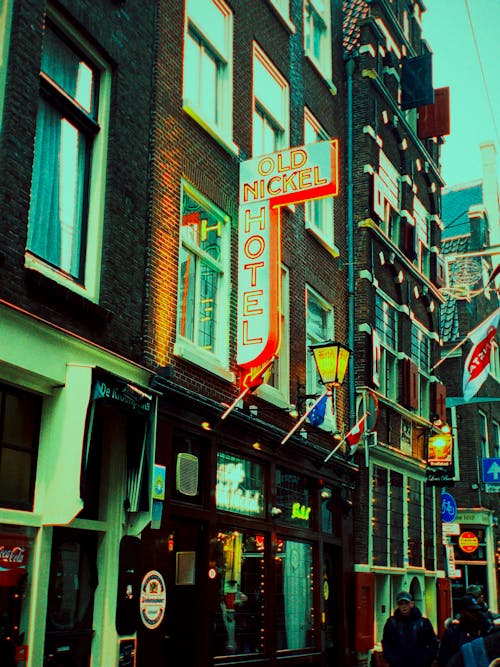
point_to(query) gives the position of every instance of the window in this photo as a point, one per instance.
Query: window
(5, 21)
(483, 434)
(202, 310)
(19, 429)
(317, 35)
(208, 89)
(319, 328)
(319, 214)
(415, 522)
(293, 498)
(496, 439)
(386, 325)
(270, 106)
(283, 8)
(240, 485)
(67, 187)
(423, 235)
(495, 361)
(387, 197)
(421, 355)
(277, 383)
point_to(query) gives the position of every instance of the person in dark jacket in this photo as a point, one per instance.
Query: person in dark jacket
(409, 639)
(472, 622)
(491, 646)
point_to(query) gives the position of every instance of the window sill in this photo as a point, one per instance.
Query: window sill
(285, 19)
(326, 77)
(188, 352)
(318, 235)
(223, 141)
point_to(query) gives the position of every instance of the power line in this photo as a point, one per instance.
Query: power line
(490, 105)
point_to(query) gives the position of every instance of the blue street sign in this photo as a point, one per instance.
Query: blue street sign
(448, 508)
(491, 471)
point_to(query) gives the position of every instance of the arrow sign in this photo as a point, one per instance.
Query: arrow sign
(491, 471)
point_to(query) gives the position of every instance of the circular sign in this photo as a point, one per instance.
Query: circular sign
(468, 542)
(153, 599)
(448, 508)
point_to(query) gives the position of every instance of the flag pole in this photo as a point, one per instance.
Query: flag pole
(304, 416)
(245, 391)
(367, 414)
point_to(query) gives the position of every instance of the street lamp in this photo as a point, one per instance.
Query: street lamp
(331, 360)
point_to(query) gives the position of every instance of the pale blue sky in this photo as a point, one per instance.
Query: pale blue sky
(455, 63)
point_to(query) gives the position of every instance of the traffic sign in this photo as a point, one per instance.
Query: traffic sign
(491, 471)
(448, 508)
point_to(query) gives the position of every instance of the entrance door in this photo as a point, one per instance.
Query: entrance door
(332, 599)
(181, 556)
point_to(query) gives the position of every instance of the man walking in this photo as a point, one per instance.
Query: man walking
(409, 639)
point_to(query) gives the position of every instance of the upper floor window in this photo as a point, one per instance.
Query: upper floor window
(208, 88)
(319, 214)
(483, 434)
(495, 361)
(203, 292)
(387, 197)
(422, 234)
(386, 326)
(283, 7)
(19, 430)
(496, 439)
(421, 355)
(271, 103)
(318, 35)
(5, 21)
(65, 216)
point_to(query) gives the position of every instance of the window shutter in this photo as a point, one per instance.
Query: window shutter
(408, 239)
(364, 583)
(434, 119)
(439, 400)
(437, 270)
(443, 591)
(410, 384)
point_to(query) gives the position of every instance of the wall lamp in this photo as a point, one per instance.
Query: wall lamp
(332, 360)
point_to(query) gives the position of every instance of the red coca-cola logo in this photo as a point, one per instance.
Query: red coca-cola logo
(12, 556)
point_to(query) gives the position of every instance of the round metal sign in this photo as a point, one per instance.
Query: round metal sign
(468, 542)
(448, 508)
(153, 599)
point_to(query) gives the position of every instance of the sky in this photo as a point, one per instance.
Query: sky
(447, 29)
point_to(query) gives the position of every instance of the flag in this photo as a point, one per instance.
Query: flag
(317, 415)
(354, 435)
(478, 360)
(493, 275)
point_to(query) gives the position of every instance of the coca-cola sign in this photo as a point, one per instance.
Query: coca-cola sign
(12, 555)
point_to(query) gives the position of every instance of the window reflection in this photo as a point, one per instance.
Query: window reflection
(239, 618)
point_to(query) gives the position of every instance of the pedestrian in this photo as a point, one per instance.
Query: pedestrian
(408, 639)
(477, 591)
(471, 654)
(472, 622)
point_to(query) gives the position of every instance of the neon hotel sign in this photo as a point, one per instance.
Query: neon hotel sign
(267, 183)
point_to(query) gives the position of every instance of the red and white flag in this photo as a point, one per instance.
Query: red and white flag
(478, 360)
(355, 434)
(493, 275)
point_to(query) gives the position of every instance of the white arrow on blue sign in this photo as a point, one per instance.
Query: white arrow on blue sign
(491, 471)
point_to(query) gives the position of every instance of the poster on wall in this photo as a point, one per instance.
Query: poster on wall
(153, 599)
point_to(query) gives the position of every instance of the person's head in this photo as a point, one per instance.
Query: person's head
(405, 603)
(475, 591)
(471, 613)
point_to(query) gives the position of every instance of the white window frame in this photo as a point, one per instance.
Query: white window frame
(279, 392)
(495, 427)
(270, 106)
(387, 197)
(282, 8)
(217, 361)
(422, 232)
(494, 369)
(483, 434)
(5, 23)
(317, 26)
(388, 353)
(217, 45)
(319, 214)
(424, 380)
(96, 176)
(313, 383)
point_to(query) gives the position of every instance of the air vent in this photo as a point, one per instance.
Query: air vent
(186, 474)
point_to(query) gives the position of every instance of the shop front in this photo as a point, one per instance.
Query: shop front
(253, 547)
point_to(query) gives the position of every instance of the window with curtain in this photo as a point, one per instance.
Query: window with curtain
(319, 214)
(270, 122)
(294, 604)
(202, 310)
(207, 81)
(318, 35)
(66, 128)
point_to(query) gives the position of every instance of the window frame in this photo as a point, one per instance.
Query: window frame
(95, 176)
(484, 434)
(320, 10)
(5, 28)
(388, 351)
(221, 130)
(280, 127)
(216, 362)
(419, 336)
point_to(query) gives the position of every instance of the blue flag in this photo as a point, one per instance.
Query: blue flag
(317, 415)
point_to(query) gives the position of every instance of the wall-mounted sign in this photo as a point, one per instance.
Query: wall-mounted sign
(440, 449)
(240, 485)
(491, 471)
(448, 508)
(159, 478)
(300, 511)
(439, 475)
(266, 184)
(153, 599)
(468, 542)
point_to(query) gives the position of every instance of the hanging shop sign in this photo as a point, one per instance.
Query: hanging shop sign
(468, 542)
(153, 599)
(268, 183)
(440, 449)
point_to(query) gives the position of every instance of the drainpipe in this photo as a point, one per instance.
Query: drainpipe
(350, 65)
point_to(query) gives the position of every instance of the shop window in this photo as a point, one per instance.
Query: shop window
(329, 510)
(70, 606)
(270, 123)
(317, 35)
(240, 485)
(239, 614)
(19, 431)
(414, 504)
(380, 528)
(202, 311)
(294, 604)
(429, 528)
(208, 67)
(65, 214)
(396, 505)
(293, 499)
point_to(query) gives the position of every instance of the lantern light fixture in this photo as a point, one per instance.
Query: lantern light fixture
(332, 360)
